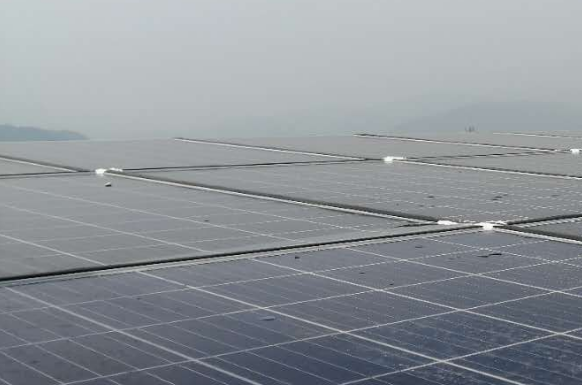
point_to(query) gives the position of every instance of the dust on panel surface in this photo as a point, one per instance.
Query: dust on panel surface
(438, 192)
(57, 223)
(290, 319)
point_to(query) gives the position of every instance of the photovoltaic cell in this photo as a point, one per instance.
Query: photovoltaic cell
(452, 335)
(390, 275)
(557, 312)
(326, 360)
(548, 251)
(557, 276)
(361, 310)
(553, 360)
(436, 374)
(480, 261)
(468, 292)
(440, 193)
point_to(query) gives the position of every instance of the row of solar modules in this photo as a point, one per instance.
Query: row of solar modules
(448, 308)
(55, 223)
(538, 154)
(430, 193)
(401, 188)
(73, 222)
(70, 222)
(470, 308)
(144, 154)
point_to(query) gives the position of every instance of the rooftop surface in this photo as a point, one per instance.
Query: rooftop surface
(292, 261)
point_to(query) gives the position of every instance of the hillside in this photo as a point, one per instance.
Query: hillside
(16, 133)
(506, 117)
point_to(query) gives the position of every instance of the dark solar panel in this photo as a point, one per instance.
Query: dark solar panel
(293, 319)
(554, 360)
(60, 223)
(322, 278)
(408, 189)
(527, 141)
(91, 155)
(375, 148)
(553, 164)
(12, 167)
(567, 228)
(436, 374)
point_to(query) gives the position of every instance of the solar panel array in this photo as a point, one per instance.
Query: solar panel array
(287, 261)
(531, 141)
(403, 188)
(143, 154)
(375, 148)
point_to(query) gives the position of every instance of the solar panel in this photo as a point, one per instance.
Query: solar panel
(570, 228)
(12, 167)
(403, 188)
(524, 141)
(61, 223)
(138, 154)
(552, 134)
(549, 360)
(561, 164)
(210, 263)
(290, 317)
(375, 148)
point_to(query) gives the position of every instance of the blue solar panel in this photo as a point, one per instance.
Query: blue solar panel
(296, 317)
(257, 270)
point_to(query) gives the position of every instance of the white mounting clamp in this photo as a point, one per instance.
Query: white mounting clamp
(390, 159)
(488, 226)
(102, 171)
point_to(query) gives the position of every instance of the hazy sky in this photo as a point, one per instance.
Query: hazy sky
(143, 68)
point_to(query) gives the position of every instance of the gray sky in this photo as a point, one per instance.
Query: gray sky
(144, 68)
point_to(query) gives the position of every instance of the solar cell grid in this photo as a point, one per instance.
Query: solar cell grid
(553, 360)
(12, 167)
(564, 164)
(412, 189)
(375, 148)
(70, 223)
(139, 154)
(268, 320)
(501, 139)
(434, 375)
(571, 228)
(458, 307)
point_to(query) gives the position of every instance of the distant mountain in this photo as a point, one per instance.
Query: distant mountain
(506, 117)
(15, 133)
